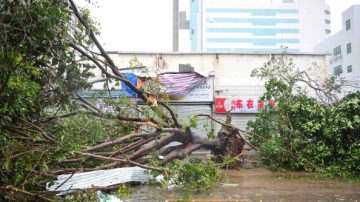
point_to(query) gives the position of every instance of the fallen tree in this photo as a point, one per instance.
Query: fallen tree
(318, 133)
(169, 131)
(48, 50)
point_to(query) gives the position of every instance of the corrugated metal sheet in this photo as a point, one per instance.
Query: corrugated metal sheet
(102, 178)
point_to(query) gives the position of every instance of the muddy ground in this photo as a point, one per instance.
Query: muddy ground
(260, 184)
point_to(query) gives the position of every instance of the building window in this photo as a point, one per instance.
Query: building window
(337, 50)
(337, 70)
(348, 48)
(327, 21)
(349, 68)
(348, 26)
(327, 12)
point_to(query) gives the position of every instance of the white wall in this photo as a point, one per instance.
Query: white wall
(229, 69)
(232, 71)
(343, 38)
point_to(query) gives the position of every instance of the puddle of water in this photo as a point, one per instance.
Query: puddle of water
(260, 184)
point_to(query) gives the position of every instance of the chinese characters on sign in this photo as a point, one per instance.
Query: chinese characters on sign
(241, 105)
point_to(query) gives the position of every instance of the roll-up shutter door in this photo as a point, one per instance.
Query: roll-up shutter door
(238, 120)
(186, 111)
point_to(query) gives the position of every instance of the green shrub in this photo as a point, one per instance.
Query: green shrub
(302, 133)
(194, 177)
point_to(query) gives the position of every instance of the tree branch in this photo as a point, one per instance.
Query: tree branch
(132, 146)
(122, 161)
(181, 153)
(13, 190)
(215, 120)
(119, 141)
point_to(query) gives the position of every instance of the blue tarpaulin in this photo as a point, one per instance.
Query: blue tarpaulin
(133, 79)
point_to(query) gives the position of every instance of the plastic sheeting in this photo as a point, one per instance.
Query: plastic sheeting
(133, 79)
(179, 84)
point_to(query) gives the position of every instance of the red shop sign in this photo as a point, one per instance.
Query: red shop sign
(241, 105)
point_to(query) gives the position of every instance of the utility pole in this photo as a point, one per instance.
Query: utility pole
(175, 25)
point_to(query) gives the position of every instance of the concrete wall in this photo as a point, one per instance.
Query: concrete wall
(232, 71)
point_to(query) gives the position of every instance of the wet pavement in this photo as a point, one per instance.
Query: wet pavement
(259, 184)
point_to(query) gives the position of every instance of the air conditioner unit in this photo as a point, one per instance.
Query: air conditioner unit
(186, 68)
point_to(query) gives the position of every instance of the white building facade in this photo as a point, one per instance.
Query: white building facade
(344, 46)
(253, 25)
(230, 74)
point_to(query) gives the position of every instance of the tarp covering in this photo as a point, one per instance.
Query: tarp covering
(179, 84)
(133, 79)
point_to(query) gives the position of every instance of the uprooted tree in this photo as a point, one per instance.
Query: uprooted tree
(49, 50)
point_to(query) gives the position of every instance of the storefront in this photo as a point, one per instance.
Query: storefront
(198, 101)
(243, 102)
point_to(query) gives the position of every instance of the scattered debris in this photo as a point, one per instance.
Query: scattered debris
(170, 183)
(107, 197)
(101, 178)
(229, 185)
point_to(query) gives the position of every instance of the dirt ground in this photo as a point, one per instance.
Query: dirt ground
(260, 184)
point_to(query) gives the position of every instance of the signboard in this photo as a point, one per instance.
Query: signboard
(202, 93)
(241, 105)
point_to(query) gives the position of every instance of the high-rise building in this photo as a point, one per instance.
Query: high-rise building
(344, 46)
(252, 25)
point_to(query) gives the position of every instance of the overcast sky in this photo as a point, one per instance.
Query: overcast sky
(336, 8)
(135, 25)
(146, 25)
